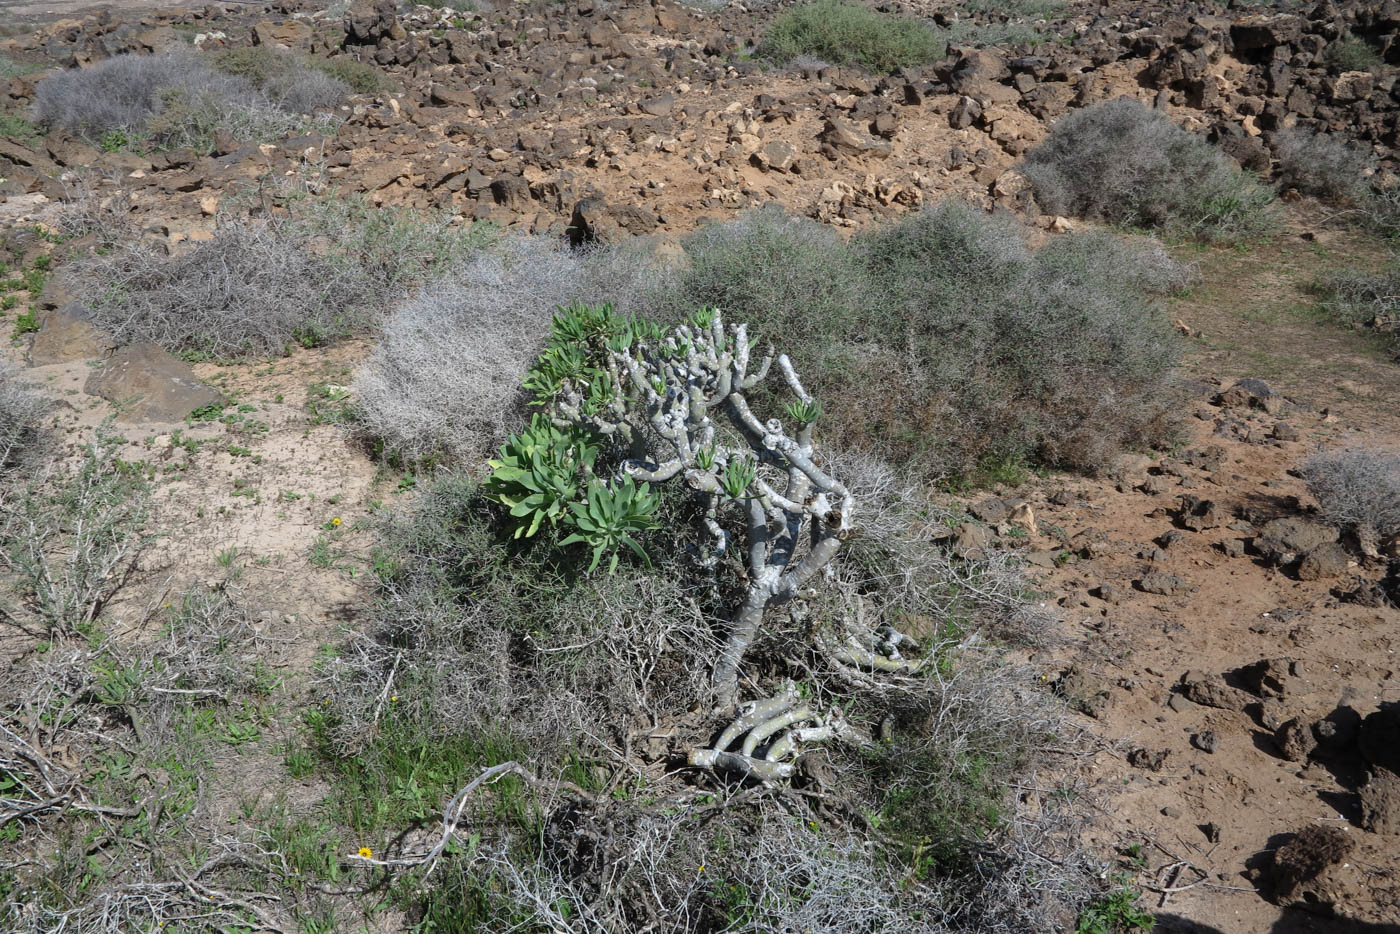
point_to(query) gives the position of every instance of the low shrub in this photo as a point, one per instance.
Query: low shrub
(1319, 165)
(72, 539)
(21, 408)
(176, 100)
(1128, 164)
(1322, 166)
(360, 77)
(444, 380)
(1351, 53)
(1357, 488)
(1363, 300)
(260, 285)
(499, 650)
(846, 33)
(778, 273)
(943, 341)
(289, 81)
(170, 705)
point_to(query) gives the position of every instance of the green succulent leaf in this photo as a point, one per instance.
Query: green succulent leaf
(738, 475)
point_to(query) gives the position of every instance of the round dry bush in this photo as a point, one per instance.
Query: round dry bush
(515, 642)
(1357, 488)
(177, 100)
(791, 280)
(289, 81)
(1320, 165)
(253, 289)
(259, 286)
(944, 342)
(1130, 165)
(21, 408)
(1056, 355)
(851, 34)
(445, 379)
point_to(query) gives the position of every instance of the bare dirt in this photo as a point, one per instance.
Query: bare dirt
(1200, 828)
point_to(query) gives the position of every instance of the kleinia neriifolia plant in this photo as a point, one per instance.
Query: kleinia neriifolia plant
(674, 407)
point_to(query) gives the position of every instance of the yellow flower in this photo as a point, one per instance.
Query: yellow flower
(336, 521)
(394, 699)
(365, 852)
(702, 868)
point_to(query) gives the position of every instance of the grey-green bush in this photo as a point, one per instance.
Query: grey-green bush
(21, 407)
(1357, 488)
(1128, 164)
(846, 33)
(1361, 299)
(1320, 165)
(444, 381)
(289, 81)
(176, 100)
(943, 340)
(326, 271)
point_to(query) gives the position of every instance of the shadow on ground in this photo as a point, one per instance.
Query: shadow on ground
(1292, 922)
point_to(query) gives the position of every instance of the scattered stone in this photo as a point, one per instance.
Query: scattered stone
(1082, 691)
(1198, 514)
(67, 335)
(1213, 692)
(1167, 585)
(991, 510)
(1380, 594)
(1206, 741)
(1254, 394)
(1154, 485)
(1380, 802)
(777, 155)
(1302, 866)
(972, 539)
(1295, 740)
(659, 106)
(147, 384)
(1233, 547)
(1269, 677)
(1152, 761)
(1379, 737)
(839, 138)
(1285, 432)
(1108, 594)
(1337, 732)
(1284, 541)
(1324, 563)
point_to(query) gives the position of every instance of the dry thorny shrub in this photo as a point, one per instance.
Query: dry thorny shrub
(177, 100)
(1357, 489)
(319, 269)
(594, 686)
(1129, 164)
(444, 378)
(942, 340)
(106, 802)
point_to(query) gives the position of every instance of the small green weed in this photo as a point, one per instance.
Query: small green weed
(845, 33)
(1115, 913)
(1351, 53)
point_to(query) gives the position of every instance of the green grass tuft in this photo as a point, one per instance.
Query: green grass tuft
(845, 33)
